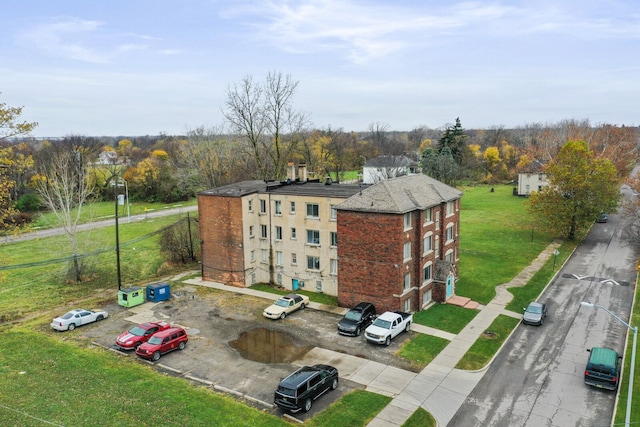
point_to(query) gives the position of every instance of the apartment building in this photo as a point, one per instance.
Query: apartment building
(379, 243)
(399, 244)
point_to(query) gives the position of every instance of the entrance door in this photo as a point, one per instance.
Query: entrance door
(449, 287)
(294, 284)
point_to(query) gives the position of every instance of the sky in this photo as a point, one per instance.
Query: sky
(146, 67)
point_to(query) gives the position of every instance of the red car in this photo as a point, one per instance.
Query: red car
(163, 342)
(137, 335)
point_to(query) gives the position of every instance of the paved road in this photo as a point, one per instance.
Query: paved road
(39, 234)
(537, 379)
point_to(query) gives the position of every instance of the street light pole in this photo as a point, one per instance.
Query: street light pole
(627, 418)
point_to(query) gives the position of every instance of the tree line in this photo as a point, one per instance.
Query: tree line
(261, 134)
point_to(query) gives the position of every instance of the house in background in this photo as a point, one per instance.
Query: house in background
(532, 178)
(386, 167)
(382, 243)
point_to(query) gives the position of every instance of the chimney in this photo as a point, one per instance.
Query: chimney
(291, 171)
(302, 172)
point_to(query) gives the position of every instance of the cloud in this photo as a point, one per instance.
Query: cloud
(81, 40)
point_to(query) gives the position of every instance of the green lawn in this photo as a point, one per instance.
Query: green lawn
(41, 282)
(106, 210)
(449, 318)
(488, 343)
(497, 240)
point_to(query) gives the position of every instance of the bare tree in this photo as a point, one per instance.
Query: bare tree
(64, 186)
(264, 116)
(210, 155)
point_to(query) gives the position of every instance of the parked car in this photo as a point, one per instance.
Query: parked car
(603, 368)
(357, 319)
(388, 326)
(78, 317)
(139, 334)
(603, 217)
(301, 388)
(162, 342)
(535, 313)
(286, 305)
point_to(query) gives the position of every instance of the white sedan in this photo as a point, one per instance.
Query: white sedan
(77, 317)
(286, 305)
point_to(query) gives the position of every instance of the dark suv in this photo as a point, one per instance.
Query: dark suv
(357, 319)
(603, 368)
(300, 389)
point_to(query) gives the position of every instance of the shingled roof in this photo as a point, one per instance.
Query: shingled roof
(401, 195)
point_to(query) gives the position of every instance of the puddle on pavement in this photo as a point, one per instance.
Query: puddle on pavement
(267, 346)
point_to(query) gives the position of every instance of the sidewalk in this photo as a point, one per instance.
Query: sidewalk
(439, 388)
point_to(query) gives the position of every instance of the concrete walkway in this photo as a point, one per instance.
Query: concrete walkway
(439, 388)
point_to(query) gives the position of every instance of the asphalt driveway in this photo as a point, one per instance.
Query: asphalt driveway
(234, 349)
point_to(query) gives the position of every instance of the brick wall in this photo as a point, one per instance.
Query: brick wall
(371, 264)
(370, 257)
(222, 239)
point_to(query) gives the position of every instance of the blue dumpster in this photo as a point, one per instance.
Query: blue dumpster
(130, 297)
(158, 292)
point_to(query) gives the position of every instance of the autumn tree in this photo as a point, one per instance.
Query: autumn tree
(581, 187)
(263, 115)
(63, 185)
(10, 126)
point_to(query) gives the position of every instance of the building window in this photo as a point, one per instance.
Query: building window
(250, 205)
(427, 243)
(278, 207)
(253, 278)
(334, 239)
(292, 207)
(265, 255)
(253, 256)
(278, 232)
(450, 207)
(407, 305)
(263, 206)
(334, 213)
(279, 279)
(278, 258)
(426, 297)
(263, 231)
(407, 251)
(437, 248)
(293, 234)
(437, 220)
(313, 263)
(251, 231)
(294, 259)
(407, 220)
(426, 273)
(449, 256)
(428, 215)
(449, 233)
(333, 268)
(407, 281)
(313, 237)
(313, 210)
(319, 285)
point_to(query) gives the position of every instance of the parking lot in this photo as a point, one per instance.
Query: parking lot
(233, 348)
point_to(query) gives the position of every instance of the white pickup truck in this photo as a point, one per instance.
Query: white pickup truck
(387, 326)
